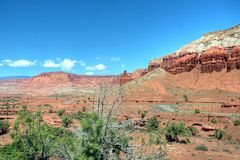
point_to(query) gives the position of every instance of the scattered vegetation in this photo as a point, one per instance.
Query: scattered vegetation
(218, 134)
(66, 120)
(214, 120)
(84, 109)
(4, 127)
(173, 130)
(143, 114)
(194, 131)
(201, 147)
(236, 122)
(60, 112)
(152, 124)
(185, 98)
(35, 140)
(196, 111)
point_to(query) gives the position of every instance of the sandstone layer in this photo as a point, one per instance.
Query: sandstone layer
(213, 52)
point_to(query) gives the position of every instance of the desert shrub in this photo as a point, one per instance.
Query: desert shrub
(185, 98)
(201, 147)
(60, 112)
(47, 105)
(152, 124)
(50, 110)
(218, 134)
(194, 131)
(79, 115)
(214, 120)
(236, 122)
(4, 127)
(155, 138)
(143, 114)
(173, 130)
(98, 141)
(196, 111)
(34, 140)
(66, 120)
(84, 109)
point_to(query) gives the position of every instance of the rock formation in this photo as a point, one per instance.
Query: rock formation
(126, 77)
(213, 52)
(56, 82)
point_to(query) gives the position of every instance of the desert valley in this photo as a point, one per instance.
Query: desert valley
(197, 86)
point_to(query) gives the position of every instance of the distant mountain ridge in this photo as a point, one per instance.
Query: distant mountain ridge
(13, 77)
(56, 82)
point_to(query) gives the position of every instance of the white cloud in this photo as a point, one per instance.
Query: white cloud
(50, 64)
(90, 68)
(19, 63)
(112, 59)
(66, 64)
(115, 59)
(1, 64)
(98, 67)
(89, 73)
(122, 65)
(82, 63)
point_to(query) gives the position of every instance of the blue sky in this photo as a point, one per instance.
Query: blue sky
(102, 36)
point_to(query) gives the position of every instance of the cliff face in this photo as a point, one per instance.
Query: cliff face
(213, 59)
(126, 77)
(213, 52)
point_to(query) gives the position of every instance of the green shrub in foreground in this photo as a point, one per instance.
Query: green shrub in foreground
(201, 147)
(66, 120)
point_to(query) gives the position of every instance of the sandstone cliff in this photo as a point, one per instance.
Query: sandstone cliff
(213, 52)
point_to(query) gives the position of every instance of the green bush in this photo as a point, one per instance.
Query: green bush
(33, 139)
(196, 111)
(236, 122)
(143, 114)
(152, 124)
(201, 147)
(214, 120)
(66, 120)
(218, 134)
(50, 110)
(185, 98)
(4, 127)
(194, 131)
(60, 112)
(84, 109)
(173, 130)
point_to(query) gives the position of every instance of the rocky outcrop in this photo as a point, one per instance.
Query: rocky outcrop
(213, 59)
(233, 61)
(213, 52)
(126, 77)
(179, 63)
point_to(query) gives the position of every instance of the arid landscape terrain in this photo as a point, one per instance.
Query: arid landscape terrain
(198, 85)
